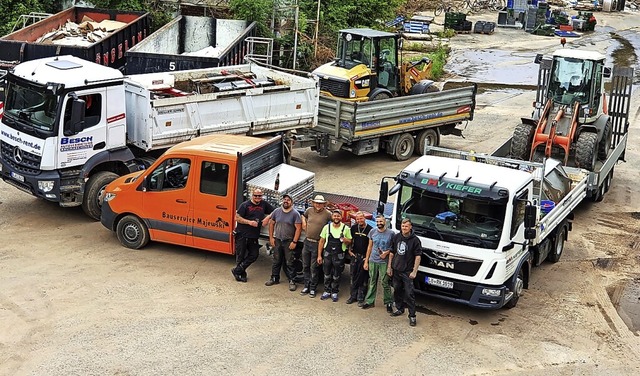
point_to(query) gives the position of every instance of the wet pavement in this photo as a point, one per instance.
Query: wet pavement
(629, 305)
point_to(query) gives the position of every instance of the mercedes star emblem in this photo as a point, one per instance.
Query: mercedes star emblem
(17, 154)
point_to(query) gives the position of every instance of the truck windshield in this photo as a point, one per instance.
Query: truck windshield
(354, 50)
(466, 220)
(570, 80)
(30, 108)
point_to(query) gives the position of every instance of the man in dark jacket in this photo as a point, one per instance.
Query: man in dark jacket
(358, 251)
(404, 260)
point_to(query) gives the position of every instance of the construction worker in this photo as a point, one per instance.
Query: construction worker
(334, 241)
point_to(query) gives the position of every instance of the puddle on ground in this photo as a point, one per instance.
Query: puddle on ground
(627, 303)
(494, 66)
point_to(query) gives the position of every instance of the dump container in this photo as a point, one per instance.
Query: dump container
(191, 42)
(129, 28)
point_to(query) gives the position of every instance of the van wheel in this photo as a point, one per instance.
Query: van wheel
(132, 232)
(93, 191)
(403, 146)
(518, 288)
(428, 137)
(558, 245)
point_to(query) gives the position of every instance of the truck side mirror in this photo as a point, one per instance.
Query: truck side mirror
(530, 213)
(538, 58)
(76, 124)
(382, 199)
(607, 72)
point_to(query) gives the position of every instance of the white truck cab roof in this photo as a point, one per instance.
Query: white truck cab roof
(477, 173)
(68, 70)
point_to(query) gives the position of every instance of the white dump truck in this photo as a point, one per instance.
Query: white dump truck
(71, 126)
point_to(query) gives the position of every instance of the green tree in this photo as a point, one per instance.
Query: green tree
(10, 11)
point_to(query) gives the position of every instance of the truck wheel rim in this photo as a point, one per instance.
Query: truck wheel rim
(131, 232)
(519, 286)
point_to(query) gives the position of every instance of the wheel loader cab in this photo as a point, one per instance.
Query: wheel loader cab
(577, 79)
(366, 66)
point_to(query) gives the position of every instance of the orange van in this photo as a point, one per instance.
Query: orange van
(190, 194)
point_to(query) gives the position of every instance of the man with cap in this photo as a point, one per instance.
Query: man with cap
(285, 227)
(313, 220)
(334, 241)
(250, 215)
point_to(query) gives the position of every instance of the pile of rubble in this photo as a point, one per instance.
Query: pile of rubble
(86, 33)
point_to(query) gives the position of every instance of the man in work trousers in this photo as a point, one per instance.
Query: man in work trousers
(358, 251)
(284, 231)
(250, 216)
(404, 260)
(313, 220)
(332, 247)
(376, 264)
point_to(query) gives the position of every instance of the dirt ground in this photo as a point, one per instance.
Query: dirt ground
(75, 302)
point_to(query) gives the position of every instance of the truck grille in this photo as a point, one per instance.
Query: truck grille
(337, 88)
(29, 164)
(448, 263)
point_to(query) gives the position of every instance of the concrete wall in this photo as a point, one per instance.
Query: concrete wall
(165, 40)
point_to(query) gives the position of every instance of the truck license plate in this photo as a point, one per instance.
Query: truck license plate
(438, 282)
(18, 177)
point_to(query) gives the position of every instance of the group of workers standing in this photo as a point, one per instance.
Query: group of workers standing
(376, 254)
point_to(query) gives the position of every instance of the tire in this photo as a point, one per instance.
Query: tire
(403, 146)
(521, 141)
(423, 87)
(428, 137)
(132, 232)
(517, 290)
(379, 97)
(558, 246)
(586, 150)
(91, 203)
(605, 143)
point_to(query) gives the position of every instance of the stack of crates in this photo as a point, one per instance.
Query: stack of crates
(457, 21)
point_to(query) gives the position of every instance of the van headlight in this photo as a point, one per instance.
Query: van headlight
(109, 196)
(46, 185)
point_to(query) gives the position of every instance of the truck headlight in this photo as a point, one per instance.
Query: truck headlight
(45, 185)
(491, 292)
(109, 196)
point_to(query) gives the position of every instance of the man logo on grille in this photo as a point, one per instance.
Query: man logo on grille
(17, 154)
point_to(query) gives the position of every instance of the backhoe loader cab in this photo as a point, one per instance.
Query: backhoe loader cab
(366, 67)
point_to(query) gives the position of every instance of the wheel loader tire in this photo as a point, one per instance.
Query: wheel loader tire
(428, 137)
(605, 143)
(91, 203)
(587, 150)
(521, 141)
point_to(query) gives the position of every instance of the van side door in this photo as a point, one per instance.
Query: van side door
(167, 201)
(213, 205)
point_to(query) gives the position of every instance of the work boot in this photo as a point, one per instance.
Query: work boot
(350, 300)
(292, 286)
(271, 282)
(412, 321)
(304, 291)
(312, 293)
(367, 305)
(397, 313)
(236, 276)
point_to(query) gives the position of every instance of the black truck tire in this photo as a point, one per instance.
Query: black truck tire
(91, 202)
(427, 137)
(379, 97)
(558, 245)
(403, 145)
(518, 288)
(132, 232)
(423, 87)
(587, 150)
(521, 141)
(605, 143)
